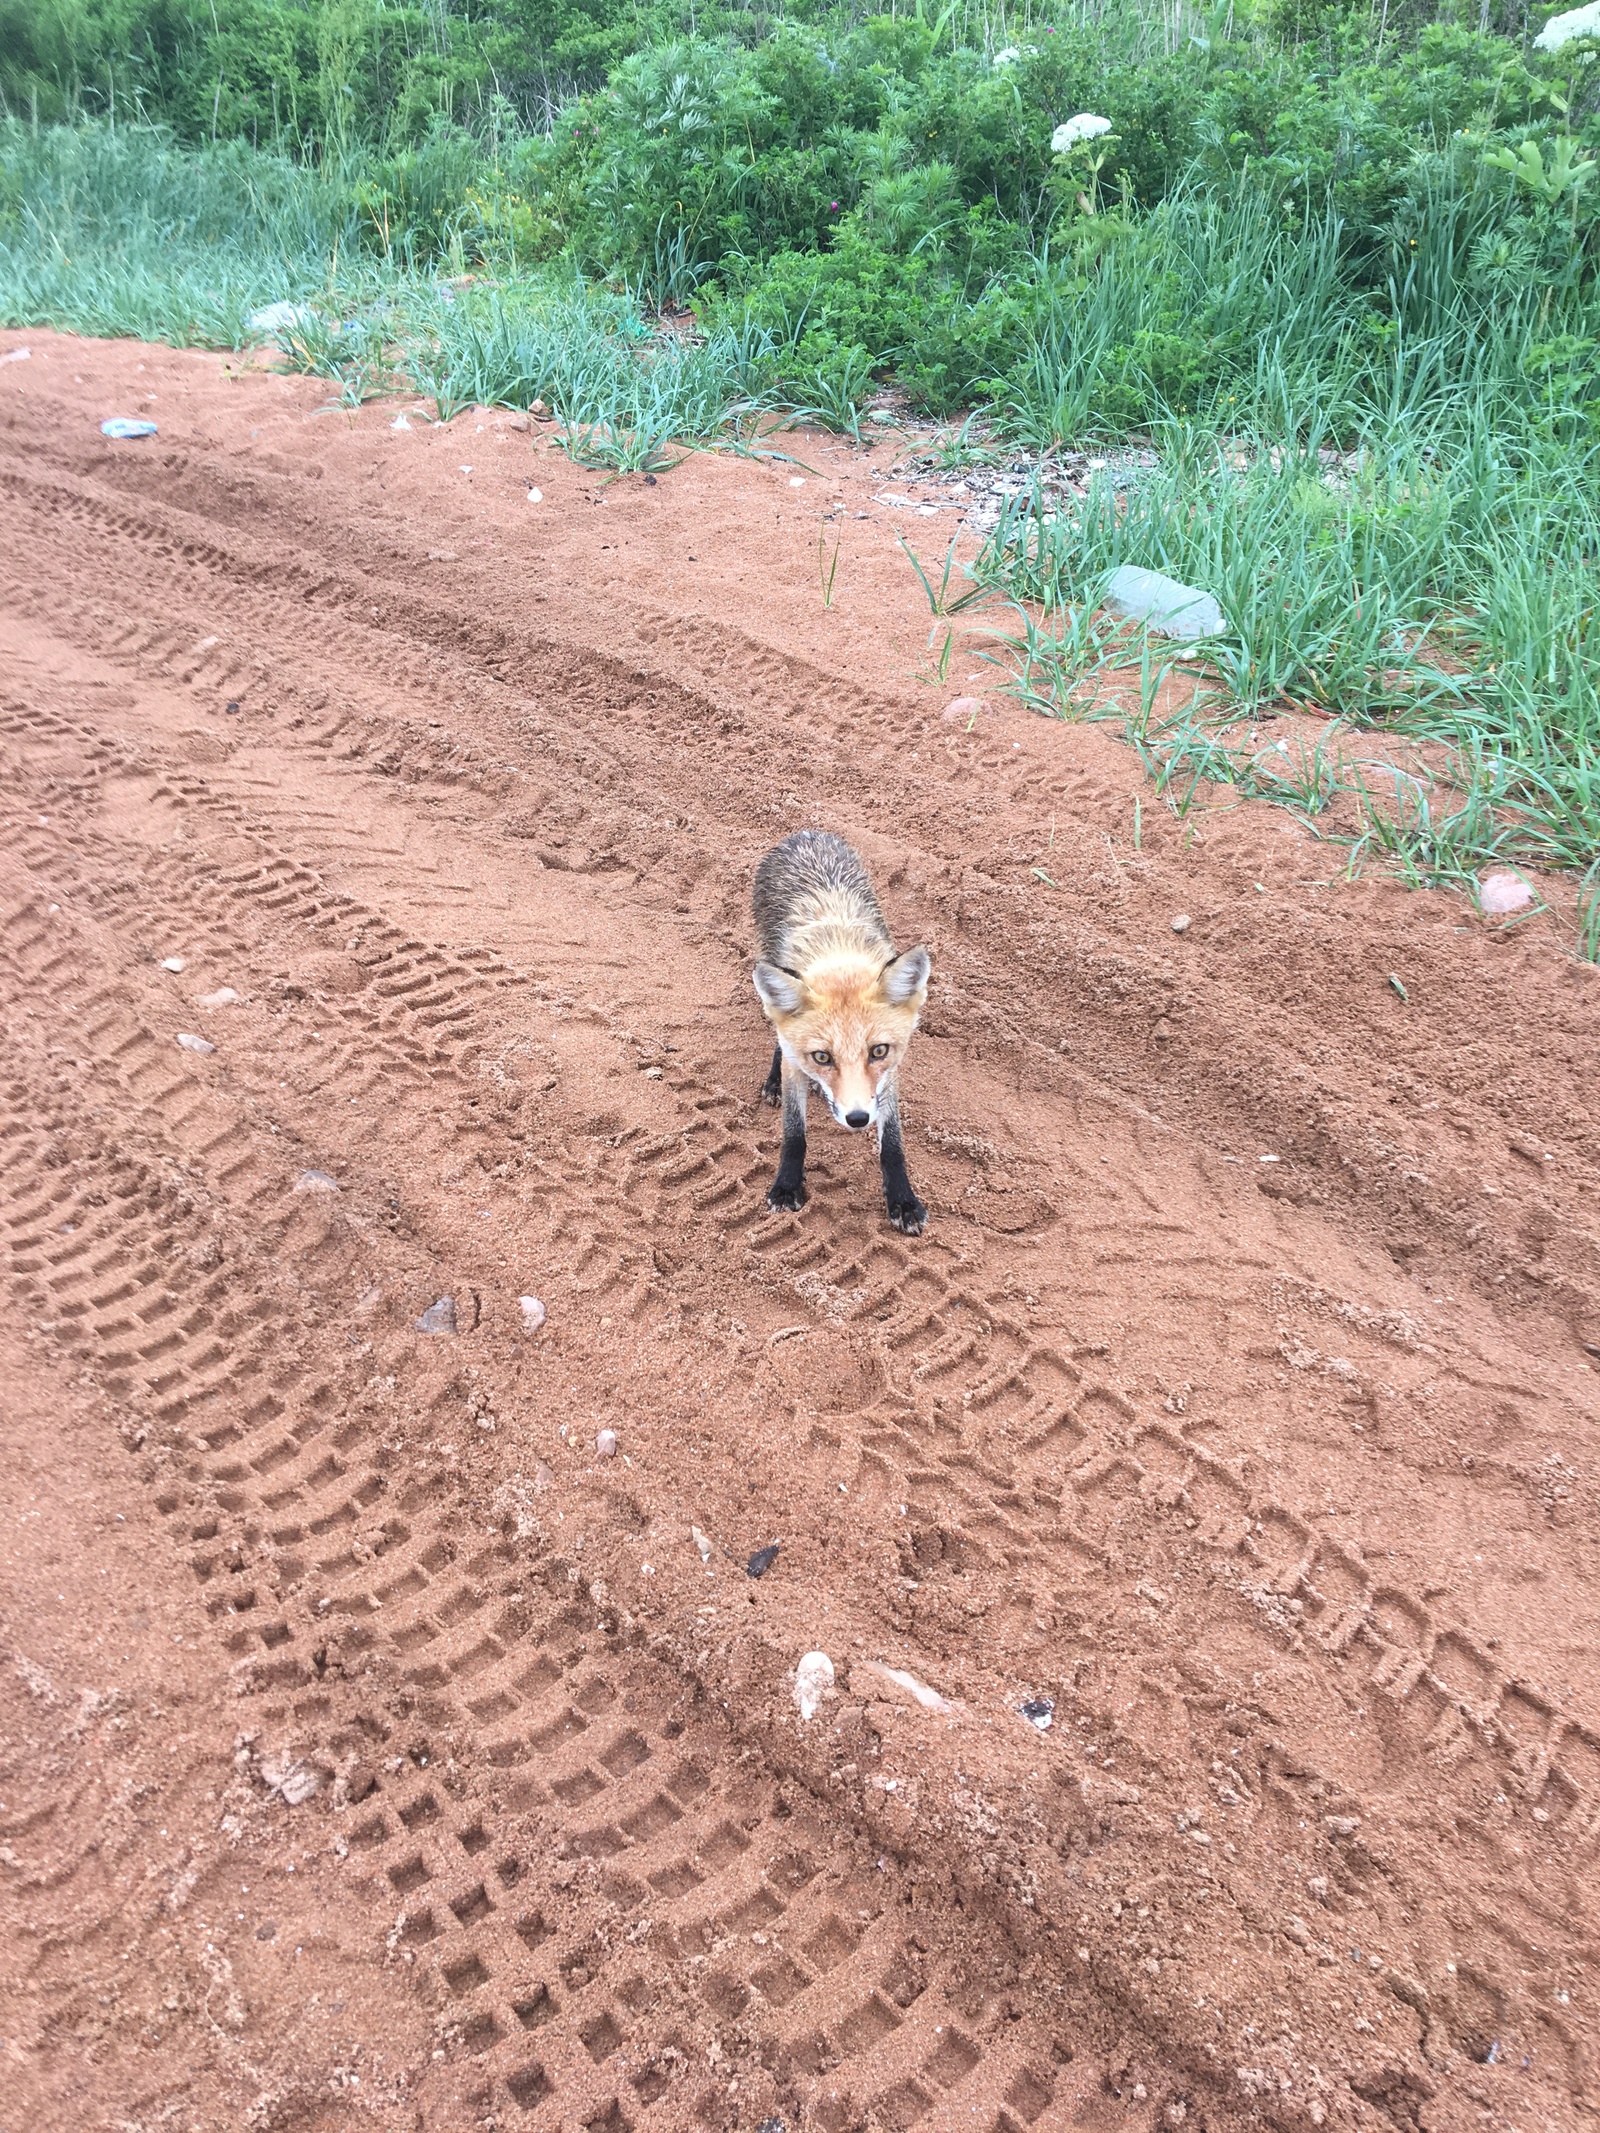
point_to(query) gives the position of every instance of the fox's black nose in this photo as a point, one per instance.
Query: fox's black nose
(855, 1120)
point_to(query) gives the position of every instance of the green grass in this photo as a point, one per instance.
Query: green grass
(118, 232)
(125, 234)
(1442, 588)
(1399, 517)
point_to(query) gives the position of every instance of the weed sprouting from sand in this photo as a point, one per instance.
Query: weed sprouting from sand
(828, 561)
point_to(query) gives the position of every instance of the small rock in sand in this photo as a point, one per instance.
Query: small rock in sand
(701, 1543)
(533, 1313)
(963, 709)
(291, 1781)
(174, 963)
(315, 1181)
(813, 1678)
(1181, 923)
(762, 1561)
(869, 1678)
(439, 1317)
(192, 1043)
(606, 1444)
(536, 496)
(1501, 894)
(1039, 1711)
(441, 555)
(224, 997)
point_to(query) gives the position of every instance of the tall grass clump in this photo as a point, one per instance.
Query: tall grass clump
(1387, 472)
(622, 393)
(123, 232)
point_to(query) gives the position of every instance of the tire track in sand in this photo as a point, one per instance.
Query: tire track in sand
(1015, 1453)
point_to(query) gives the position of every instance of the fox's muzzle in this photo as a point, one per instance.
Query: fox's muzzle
(860, 1114)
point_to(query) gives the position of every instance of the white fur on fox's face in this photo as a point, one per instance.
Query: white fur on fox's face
(855, 1107)
(845, 1025)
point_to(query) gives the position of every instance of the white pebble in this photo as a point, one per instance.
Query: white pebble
(174, 963)
(813, 1678)
(797, 481)
(533, 1313)
(536, 496)
(400, 422)
(315, 1181)
(606, 1444)
(194, 1044)
(701, 1543)
(1181, 923)
(224, 997)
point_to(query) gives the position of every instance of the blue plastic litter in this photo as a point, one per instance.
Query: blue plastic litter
(1170, 609)
(126, 426)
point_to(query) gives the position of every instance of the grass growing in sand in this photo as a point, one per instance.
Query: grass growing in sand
(1439, 582)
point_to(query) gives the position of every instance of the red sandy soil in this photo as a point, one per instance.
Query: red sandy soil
(373, 1753)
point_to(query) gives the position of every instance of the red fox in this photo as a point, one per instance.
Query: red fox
(843, 1005)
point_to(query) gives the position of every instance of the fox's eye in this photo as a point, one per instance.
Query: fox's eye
(822, 1058)
(879, 1051)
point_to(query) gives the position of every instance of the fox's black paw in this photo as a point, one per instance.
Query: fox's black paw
(772, 1093)
(786, 1199)
(908, 1215)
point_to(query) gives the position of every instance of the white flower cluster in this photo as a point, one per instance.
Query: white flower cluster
(1086, 127)
(1014, 52)
(1565, 29)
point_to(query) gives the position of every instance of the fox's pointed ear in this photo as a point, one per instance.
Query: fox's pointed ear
(904, 982)
(779, 991)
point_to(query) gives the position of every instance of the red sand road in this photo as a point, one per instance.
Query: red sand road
(377, 1754)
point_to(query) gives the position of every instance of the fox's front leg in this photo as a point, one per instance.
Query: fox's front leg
(788, 1190)
(906, 1211)
(772, 1087)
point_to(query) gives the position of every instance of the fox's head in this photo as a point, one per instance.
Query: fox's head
(846, 1023)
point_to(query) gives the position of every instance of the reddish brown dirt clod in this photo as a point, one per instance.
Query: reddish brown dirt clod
(374, 1754)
